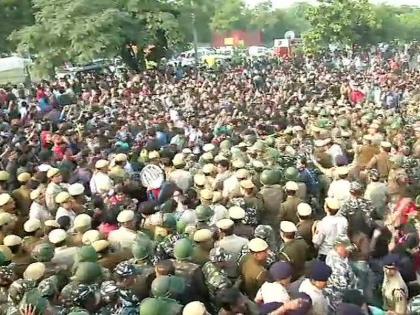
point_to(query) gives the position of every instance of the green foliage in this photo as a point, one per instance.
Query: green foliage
(230, 15)
(343, 22)
(13, 15)
(79, 30)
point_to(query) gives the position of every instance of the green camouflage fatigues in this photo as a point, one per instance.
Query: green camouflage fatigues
(359, 212)
(215, 278)
(165, 248)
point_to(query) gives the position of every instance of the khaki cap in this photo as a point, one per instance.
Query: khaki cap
(35, 194)
(202, 235)
(208, 156)
(219, 158)
(368, 137)
(209, 168)
(178, 160)
(153, 155)
(238, 163)
(34, 271)
(186, 151)
(288, 227)
(332, 203)
(208, 147)
(224, 224)
(91, 236)
(5, 218)
(57, 236)
(206, 194)
(100, 245)
(121, 157)
(62, 197)
(293, 186)
(12, 240)
(51, 223)
(247, 184)
(242, 174)
(304, 209)
(125, 216)
(194, 308)
(200, 179)
(101, 164)
(236, 213)
(4, 199)
(257, 245)
(386, 144)
(24, 177)
(4, 176)
(53, 172)
(76, 189)
(32, 225)
(82, 220)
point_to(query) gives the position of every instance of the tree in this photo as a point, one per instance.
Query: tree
(79, 30)
(344, 22)
(14, 14)
(230, 15)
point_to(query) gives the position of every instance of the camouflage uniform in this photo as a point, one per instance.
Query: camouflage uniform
(165, 248)
(16, 292)
(215, 277)
(342, 278)
(358, 212)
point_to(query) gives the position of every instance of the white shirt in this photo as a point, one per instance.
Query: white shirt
(272, 292)
(319, 302)
(100, 183)
(122, 238)
(340, 190)
(39, 212)
(328, 229)
(61, 212)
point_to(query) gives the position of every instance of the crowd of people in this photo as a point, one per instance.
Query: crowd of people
(286, 187)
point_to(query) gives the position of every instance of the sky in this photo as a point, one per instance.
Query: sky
(287, 3)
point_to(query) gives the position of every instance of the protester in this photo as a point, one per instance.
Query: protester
(260, 188)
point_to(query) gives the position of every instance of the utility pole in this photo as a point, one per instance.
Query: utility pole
(195, 38)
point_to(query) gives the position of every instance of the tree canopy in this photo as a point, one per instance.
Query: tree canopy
(79, 31)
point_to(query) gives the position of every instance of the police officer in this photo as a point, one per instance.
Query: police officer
(118, 173)
(231, 243)
(294, 249)
(305, 226)
(288, 209)
(237, 215)
(252, 267)
(82, 224)
(204, 215)
(22, 194)
(272, 196)
(191, 272)
(165, 248)
(124, 237)
(32, 227)
(203, 244)
(215, 275)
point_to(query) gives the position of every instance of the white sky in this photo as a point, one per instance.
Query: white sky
(287, 3)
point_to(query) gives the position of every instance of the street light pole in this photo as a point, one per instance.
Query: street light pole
(195, 38)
